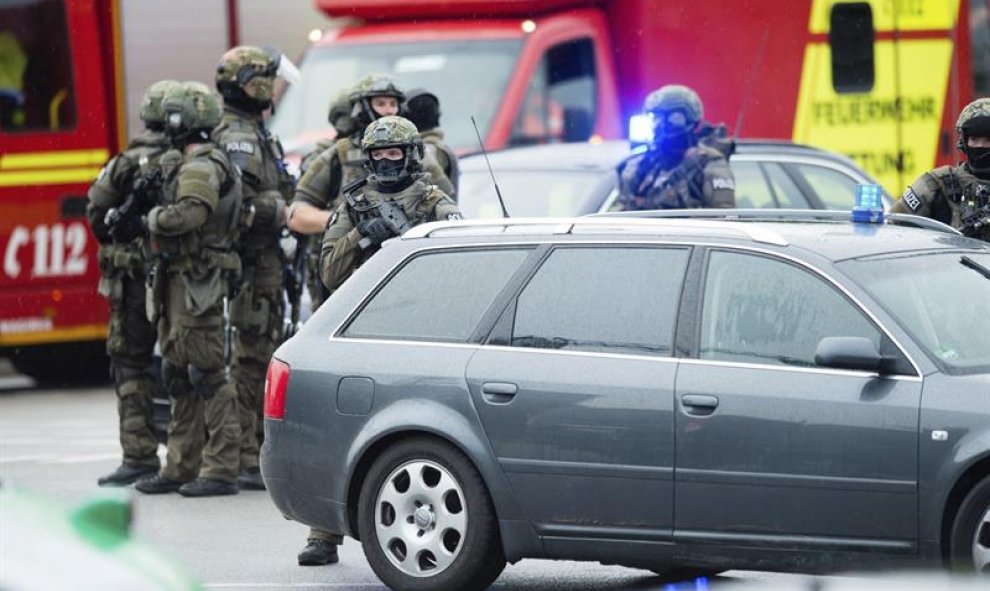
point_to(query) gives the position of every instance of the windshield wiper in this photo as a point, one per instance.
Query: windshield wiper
(968, 262)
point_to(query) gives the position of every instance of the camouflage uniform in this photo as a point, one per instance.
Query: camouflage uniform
(193, 235)
(122, 256)
(257, 310)
(957, 195)
(680, 169)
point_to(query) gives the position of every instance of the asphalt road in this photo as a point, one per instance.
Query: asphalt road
(57, 442)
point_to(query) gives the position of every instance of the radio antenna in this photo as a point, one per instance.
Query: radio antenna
(501, 202)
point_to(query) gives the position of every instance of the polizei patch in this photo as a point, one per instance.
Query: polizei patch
(911, 199)
(242, 147)
(720, 183)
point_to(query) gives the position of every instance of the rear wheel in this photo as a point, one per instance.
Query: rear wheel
(426, 520)
(970, 543)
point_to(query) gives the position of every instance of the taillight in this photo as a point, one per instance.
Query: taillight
(276, 382)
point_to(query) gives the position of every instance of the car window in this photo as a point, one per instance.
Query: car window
(835, 189)
(752, 190)
(763, 310)
(614, 299)
(437, 296)
(788, 195)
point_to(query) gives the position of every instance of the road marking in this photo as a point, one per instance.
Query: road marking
(31, 458)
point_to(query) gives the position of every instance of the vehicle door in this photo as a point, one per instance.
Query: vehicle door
(774, 450)
(575, 390)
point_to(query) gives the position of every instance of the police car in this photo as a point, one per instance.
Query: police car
(684, 392)
(578, 179)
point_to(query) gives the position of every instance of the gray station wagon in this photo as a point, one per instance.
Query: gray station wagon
(768, 390)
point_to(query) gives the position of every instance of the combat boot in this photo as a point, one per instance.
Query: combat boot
(318, 552)
(157, 485)
(205, 487)
(126, 474)
(250, 479)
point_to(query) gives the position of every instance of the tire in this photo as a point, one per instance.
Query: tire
(444, 531)
(970, 541)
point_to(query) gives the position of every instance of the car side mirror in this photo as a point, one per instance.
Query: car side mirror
(857, 353)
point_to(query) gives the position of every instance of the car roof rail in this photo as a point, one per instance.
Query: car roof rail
(783, 215)
(568, 225)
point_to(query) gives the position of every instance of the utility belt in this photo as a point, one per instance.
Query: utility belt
(209, 258)
(128, 258)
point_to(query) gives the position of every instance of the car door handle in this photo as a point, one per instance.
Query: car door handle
(498, 392)
(699, 404)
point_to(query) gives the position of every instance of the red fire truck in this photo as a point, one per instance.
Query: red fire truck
(60, 118)
(878, 80)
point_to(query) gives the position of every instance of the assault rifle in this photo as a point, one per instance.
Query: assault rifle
(124, 222)
(976, 216)
(390, 211)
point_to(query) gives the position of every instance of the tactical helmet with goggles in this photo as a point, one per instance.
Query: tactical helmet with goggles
(152, 113)
(368, 88)
(191, 112)
(974, 122)
(392, 132)
(246, 76)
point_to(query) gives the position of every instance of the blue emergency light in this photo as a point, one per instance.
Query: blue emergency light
(641, 129)
(869, 204)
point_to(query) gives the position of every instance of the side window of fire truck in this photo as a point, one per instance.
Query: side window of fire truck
(850, 39)
(35, 67)
(979, 40)
(560, 102)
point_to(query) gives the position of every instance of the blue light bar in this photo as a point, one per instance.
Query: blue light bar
(641, 129)
(869, 204)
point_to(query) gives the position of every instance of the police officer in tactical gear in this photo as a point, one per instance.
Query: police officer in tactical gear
(958, 195)
(320, 190)
(686, 165)
(193, 234)
(423, 109)
(245, 79)
(393, 152)
(118, 199)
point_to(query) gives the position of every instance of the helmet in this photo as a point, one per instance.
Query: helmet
(974, 121)
(422, 108)
(340, 114)
(674, 108)
(191, 108)
(392, 132)
(246, 75)
(151, 104)
(372, 85)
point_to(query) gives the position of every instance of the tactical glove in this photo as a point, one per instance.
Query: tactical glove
(375, 231)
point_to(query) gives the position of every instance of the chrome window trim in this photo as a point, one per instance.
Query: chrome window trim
(644, 242)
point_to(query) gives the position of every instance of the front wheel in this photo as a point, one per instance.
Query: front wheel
(426, 520)
(970, 542)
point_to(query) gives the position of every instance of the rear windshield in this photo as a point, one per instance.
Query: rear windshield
(467, 76)
(940, 299)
